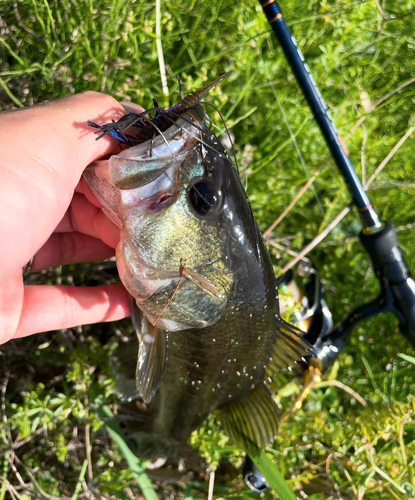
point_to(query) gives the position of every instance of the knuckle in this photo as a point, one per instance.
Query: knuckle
(102, 101)
(68, 247)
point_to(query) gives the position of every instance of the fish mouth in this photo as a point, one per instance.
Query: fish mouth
(143, 163)
(183, 305)
(140, 278)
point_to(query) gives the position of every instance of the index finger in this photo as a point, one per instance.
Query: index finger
(52, 307)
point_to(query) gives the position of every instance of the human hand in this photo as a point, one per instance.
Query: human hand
(48, 211)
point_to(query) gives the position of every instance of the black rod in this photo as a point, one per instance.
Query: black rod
(319, 108)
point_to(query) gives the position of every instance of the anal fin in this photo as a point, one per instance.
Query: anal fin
(252, 420)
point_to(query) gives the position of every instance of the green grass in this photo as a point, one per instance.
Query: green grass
(359, 53)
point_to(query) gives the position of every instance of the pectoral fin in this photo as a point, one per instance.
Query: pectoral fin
(252, 419)
(152, 356)
(139, 376)
(123, 363)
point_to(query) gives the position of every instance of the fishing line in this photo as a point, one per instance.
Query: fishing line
(160, 132)
(227, 131)
(210, 124)
(195, 136)
(297, 148)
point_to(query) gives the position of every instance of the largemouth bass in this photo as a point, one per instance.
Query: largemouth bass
(192, 257)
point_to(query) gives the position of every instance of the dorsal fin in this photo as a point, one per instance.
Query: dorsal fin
(289, 349)
(287, 354)
(252, 419)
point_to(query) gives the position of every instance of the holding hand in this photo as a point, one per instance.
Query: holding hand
(48, 211)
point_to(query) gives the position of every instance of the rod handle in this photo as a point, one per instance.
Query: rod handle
(390, 267)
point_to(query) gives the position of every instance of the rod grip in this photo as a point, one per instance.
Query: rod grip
(390, 266)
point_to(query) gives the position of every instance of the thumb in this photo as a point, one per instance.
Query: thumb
(44, 152)
(56, 134)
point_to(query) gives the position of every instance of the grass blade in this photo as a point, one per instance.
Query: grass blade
(134, 463)
(273, 476)
(79, 483)
(410, 359)
(275, 480)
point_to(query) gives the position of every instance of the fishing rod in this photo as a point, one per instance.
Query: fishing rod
(379, 239)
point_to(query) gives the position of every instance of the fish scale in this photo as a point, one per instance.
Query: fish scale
(217, 371)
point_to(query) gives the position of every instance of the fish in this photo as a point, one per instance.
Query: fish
(204, 295)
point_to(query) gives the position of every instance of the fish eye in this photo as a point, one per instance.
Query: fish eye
(203, 197)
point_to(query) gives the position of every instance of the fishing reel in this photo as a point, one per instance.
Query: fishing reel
(302, 297)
